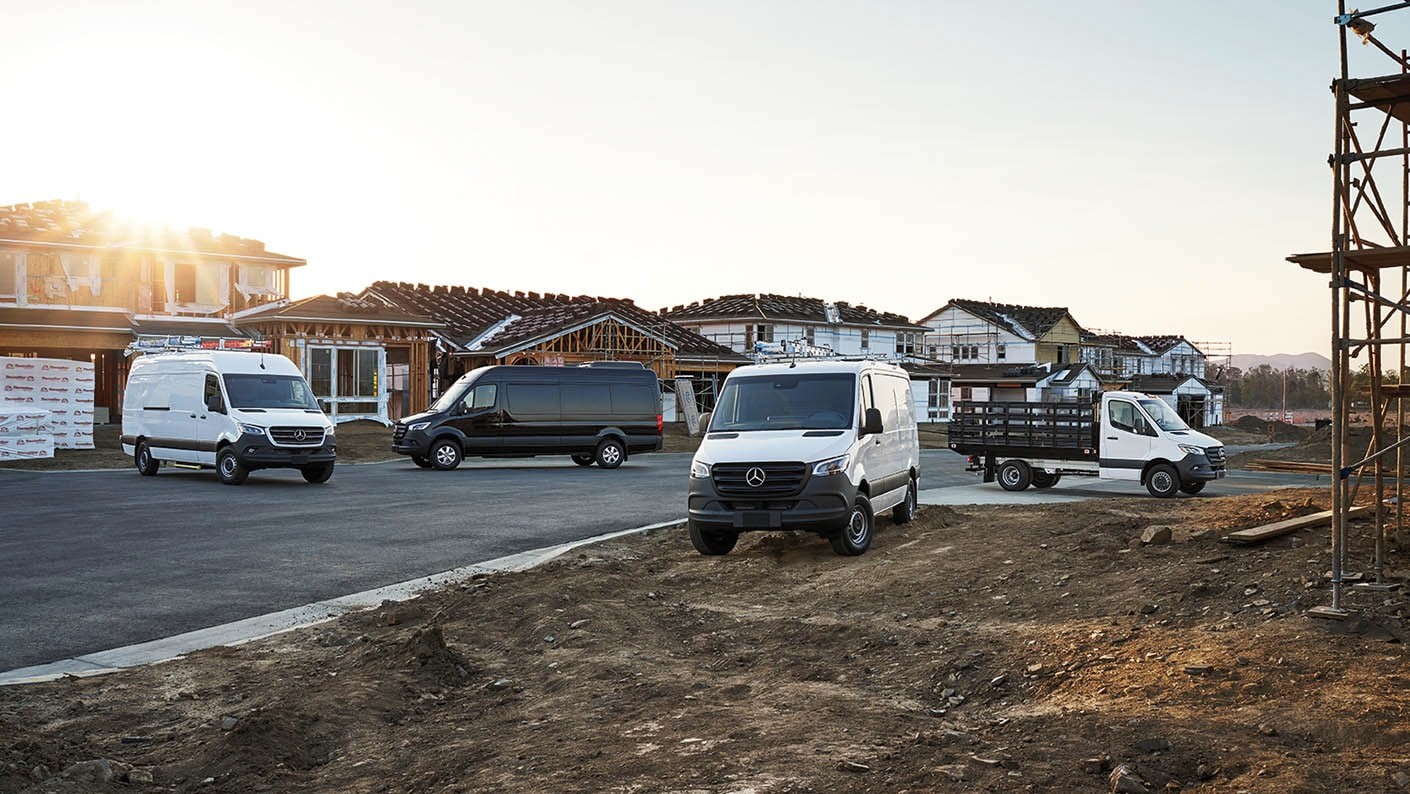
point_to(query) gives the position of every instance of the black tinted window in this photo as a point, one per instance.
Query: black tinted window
(587, 401)
(526, 399)
(634, 400)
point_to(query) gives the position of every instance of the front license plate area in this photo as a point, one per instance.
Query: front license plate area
(757, 519)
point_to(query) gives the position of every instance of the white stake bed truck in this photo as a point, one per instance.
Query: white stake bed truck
(1121, 436)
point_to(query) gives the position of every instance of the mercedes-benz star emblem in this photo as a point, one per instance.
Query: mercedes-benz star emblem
(755, 477)
(300, 435)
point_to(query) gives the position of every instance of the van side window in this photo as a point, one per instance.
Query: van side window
(587, 402)
(527, 399)
(482, 397)
(213, 400)
(633, 400)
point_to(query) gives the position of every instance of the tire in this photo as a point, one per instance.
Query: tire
(855, 538)
(1163, 481)
(904, 512)
(1043, 479)
(142, 457)
(319, 472)
(445, 454)
(1192, 488)
(583, 460)
(610, 454)
(421, 461)
(229, 469)
(1014, 475)
(712, 542)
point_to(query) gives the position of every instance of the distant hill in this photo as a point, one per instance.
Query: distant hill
(1282, 361)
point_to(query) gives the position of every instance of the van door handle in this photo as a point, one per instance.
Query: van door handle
(193, 416)
(1111, 438)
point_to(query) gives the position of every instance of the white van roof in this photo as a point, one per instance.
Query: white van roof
(238, 362)
(819, 366)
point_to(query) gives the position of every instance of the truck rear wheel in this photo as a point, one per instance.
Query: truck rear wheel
(1014, 475)
(1163, 481)
(1192, 488)
(1043, 479)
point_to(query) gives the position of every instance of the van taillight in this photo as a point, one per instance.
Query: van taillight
(660, 423)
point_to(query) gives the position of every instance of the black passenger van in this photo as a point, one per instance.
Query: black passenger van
(597, 413)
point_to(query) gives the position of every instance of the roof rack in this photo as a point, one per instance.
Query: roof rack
(185, 344)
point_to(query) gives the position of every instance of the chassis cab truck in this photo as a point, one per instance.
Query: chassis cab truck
(1121, 436)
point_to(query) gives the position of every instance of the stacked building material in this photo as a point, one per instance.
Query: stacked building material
(24, 433)
(61, 388)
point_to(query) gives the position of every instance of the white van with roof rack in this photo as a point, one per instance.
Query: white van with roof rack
(822, 446)
(234, 411)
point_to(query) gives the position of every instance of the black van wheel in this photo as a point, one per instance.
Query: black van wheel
(855, 538)
(1192, 488)
(610, 454)
(146, 464)
(1163, 481)
(583, 460)
(906, 510)
(421, 461)
(1014, 475)
(316, 473)
(712, 542)
(229, 469)
(445, 454)
(1043, 479)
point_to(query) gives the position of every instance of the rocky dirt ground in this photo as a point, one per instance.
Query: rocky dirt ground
(1042, 648)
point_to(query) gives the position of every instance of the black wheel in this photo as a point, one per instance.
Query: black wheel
(1192, 488)
(712, 542)
(146, 464)
(445, 454)
(229, 469)
(855, 538)
(906, 510)
(583, 460)
(610, 454)
(1163, 481)
(319, 472)
(1043, 479)
(421, 461)
(1014, 475)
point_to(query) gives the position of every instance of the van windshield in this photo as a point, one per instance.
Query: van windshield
(787, 402)
(455, 391)
(269, 391)
(1164, 417)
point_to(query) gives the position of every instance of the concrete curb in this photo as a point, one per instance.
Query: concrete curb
(260, 626)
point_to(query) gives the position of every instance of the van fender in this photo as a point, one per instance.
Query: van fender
(612, 432)
(444, 431)
(1151, 464)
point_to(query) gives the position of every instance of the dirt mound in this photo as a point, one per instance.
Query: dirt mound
(1250, 424)
(279, 734)
(426, 653)
(1283, 431)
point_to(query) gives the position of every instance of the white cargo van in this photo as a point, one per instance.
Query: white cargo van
(235, 411)
(821, 446)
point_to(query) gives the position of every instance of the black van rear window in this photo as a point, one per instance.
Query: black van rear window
(634, 400)
(531, 399)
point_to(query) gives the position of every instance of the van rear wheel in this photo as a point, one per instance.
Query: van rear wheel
(906, 510)
(146, 464)
(445, 454)
(229, 469)
(583, 460)
(712, 542)
(1192, 488)
(317, 473)
(421, 461)
(855, 538)
(610, 454)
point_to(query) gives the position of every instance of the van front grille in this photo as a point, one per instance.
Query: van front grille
(1216, 457)
(296, 436)
(399, 432)
(779, 479)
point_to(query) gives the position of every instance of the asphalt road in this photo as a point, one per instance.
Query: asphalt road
(98, 560)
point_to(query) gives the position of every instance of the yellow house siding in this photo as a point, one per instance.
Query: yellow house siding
(1063, 334)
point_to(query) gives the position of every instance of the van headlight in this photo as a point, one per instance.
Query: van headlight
(699, 469)
(254, 430)
(1191, 450)
(831, 466)
(412, 428)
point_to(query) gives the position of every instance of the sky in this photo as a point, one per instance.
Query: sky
(1146, 164)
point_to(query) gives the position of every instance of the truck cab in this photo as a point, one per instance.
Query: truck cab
(1143, 439)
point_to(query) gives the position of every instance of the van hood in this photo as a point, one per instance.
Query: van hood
(421, 417)
(1196, 438)
(276, 417)
(757, 446)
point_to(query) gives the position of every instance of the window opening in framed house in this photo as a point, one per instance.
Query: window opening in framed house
(346, 380)
(9, 275)
(1000, 351)
(866, 340)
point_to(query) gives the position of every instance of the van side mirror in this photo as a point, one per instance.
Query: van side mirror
(214, 404)
(703, 423)
(871, 422)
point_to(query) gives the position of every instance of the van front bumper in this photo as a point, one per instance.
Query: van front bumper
(256, 452)
(823, 505)
(1197, 468)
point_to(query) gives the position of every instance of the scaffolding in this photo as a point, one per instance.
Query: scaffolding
(1370, 243)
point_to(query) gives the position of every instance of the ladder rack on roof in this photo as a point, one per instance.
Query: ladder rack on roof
(186, 344)
(791, 350)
